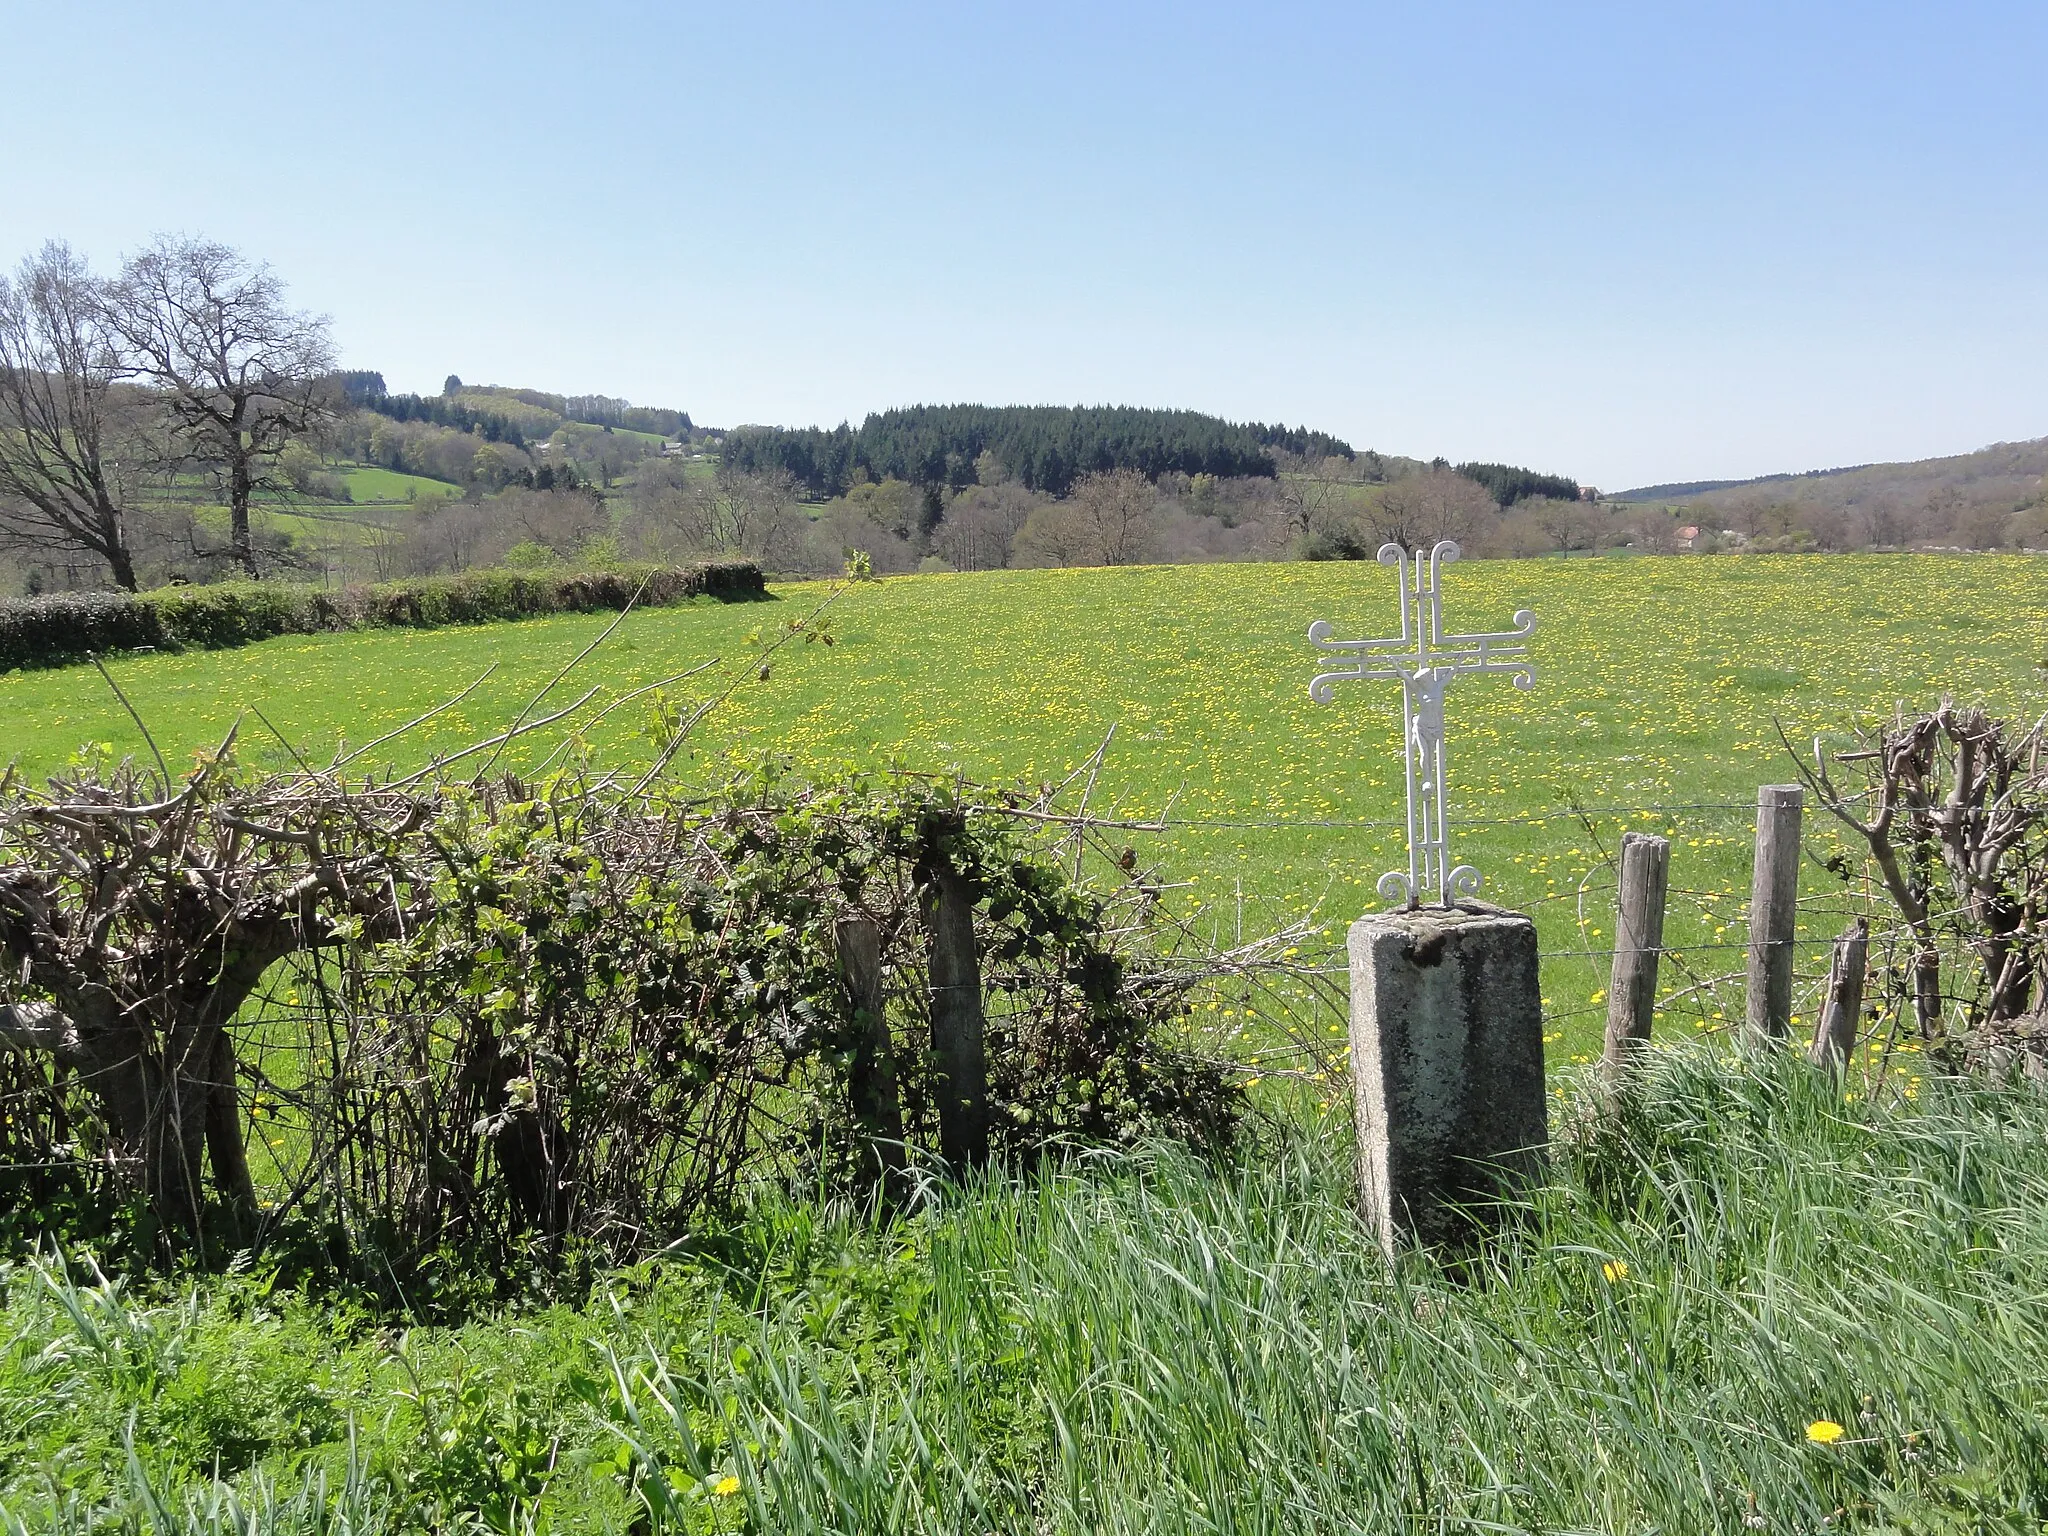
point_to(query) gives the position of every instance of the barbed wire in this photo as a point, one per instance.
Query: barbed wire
(1170, 823)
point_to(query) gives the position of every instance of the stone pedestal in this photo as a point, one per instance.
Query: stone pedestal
(1447, 1068)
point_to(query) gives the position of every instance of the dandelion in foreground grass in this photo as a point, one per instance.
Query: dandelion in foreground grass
(727, 1486)
(1614, 1271)
(1823, 1432)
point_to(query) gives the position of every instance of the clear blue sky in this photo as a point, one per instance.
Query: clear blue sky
(1624, 242)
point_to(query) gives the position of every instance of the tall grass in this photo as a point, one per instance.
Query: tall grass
(1145, 1344)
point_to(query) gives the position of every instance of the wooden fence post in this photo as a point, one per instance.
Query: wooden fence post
(1773, 910)
(958, 1024)
(1841, 1015)
(1638, 942)
(871, 1076)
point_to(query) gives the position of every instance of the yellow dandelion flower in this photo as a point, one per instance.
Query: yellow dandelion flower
(1614, 1271)
(727, 1486)
(1823, 1432)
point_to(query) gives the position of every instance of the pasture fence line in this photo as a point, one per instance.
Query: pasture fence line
(1447, 1025)
(1847, 995)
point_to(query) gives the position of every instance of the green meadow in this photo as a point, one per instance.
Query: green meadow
(369, 483)
(1660, 686)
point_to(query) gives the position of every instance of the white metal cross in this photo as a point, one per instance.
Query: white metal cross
(1424, 660)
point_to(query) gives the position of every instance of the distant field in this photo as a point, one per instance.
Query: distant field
(1657, 684)
(372, 482)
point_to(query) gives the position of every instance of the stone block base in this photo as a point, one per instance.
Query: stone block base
(1447, 1068)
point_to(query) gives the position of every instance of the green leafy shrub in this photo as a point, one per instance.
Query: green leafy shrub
(40, 631)
(629, 1011)
(235, 613)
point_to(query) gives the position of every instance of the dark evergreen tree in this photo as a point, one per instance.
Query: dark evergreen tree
(1509, 483)
(1046, 447)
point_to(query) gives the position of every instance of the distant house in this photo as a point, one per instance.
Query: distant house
(672, 450)
(1689, 537)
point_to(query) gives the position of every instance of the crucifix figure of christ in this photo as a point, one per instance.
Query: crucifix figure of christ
(1424, 660)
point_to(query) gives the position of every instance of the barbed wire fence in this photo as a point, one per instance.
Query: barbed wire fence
(1293, 988)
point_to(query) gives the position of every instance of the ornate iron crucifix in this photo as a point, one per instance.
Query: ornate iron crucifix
(1424, 660)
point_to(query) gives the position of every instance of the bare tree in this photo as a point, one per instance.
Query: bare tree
(1756, 518)
(445, 534)
(1115, 513)
(137, 917)
(982, 525)
(241, 375)
(61, 416)
(1953, 813)
(563, 521)
(1421, 509)
(1568, 524)
(1315, 494)
(737, 514)
(1653, 530)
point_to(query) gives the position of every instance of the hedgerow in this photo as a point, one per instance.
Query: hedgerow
(68, 626)
(516, 1027)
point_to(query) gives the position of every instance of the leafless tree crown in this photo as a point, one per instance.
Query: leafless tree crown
(241, 375)
(65, 428)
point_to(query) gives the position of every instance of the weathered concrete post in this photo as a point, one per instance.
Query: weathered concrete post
(959, 1027)
(1638, 941)
(1773, 912)
(1447, 1067)
(871, 1075)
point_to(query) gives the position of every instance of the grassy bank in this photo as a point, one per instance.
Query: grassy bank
(1144, 1344)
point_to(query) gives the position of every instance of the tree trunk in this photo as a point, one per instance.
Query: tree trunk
(244, 548)
(174, 1127)
(225, 1149)
(169, 1099)
(122, 567)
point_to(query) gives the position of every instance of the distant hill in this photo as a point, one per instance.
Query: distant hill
(2002, 463)
(1683, 488)
(1978, 499)
(513, 415)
